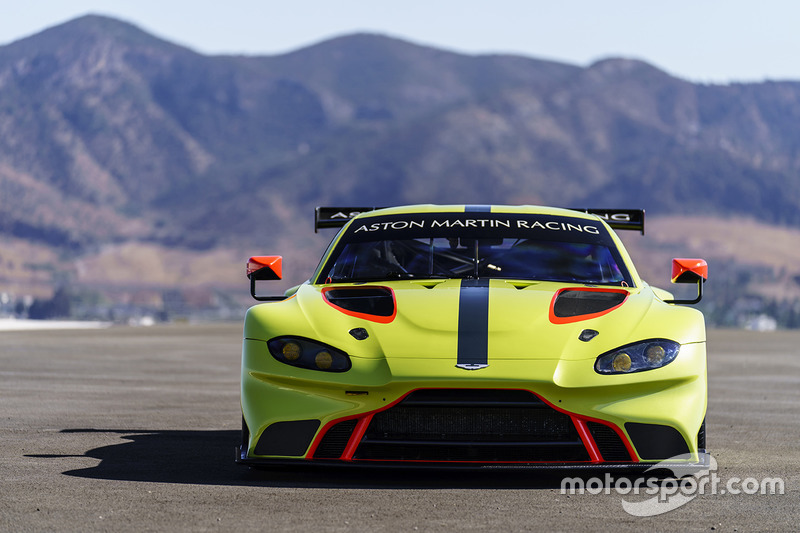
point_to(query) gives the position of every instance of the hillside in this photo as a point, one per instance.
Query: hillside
(127, 161)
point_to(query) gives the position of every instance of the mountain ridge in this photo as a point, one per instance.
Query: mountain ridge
(109, 135)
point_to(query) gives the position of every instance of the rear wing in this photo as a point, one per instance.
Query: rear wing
(336, 217)
(621, 219)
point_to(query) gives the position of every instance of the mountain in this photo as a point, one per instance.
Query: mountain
(119, 150)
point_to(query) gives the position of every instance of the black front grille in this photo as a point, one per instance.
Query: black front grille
(335, 440)
(611, 446)
(472, 425)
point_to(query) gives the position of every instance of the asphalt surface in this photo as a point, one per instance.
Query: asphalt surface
(127, 429)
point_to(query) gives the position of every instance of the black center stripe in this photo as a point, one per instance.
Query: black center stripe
(473, 322)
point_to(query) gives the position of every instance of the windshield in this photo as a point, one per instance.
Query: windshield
(467, 245)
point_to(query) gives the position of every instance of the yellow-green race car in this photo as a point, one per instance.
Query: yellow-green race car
(474, 336)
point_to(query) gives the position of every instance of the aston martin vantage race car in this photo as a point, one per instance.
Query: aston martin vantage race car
(474, 336)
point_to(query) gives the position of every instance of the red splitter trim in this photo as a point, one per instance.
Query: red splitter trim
(353, 441)
(364, 419)
(583, 419)
(355, 438)
(588, 441)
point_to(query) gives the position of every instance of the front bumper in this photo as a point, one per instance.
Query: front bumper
(548, 414)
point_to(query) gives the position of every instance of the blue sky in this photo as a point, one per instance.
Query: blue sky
(700, 40)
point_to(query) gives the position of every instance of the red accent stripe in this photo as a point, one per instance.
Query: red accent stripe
(432, 461)
(329, 425)
(588, 441)
(364, 420)
(622, 435)
(625, 440)
(355, 438)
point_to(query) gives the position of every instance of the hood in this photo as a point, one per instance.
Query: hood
(475, 321)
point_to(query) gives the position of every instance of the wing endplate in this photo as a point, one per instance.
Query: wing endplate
(622, 219)
(336, 217)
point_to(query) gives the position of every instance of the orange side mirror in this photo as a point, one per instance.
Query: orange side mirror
(265, 267)
(689, 270)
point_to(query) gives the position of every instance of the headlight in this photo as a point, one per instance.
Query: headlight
(309, 354)
(645, 355)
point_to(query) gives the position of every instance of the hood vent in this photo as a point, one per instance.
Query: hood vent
(572, 305)
(376, 304)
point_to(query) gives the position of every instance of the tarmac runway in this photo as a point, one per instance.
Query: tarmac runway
(134, 429)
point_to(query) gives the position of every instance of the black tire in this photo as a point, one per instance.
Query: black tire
(245, 435)
(701, 437)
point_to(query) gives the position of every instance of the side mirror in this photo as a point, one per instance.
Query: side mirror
(264, 267)
(689, 271)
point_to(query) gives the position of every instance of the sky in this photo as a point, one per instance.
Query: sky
(708, 41)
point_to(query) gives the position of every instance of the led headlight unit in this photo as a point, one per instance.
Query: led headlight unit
(637, 357)
(305, 353)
